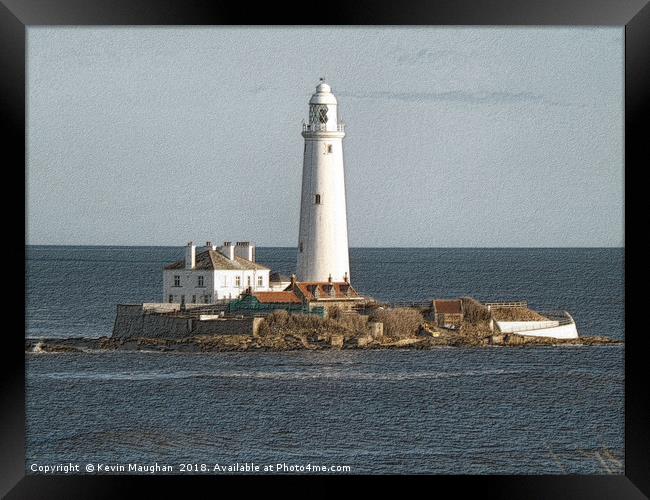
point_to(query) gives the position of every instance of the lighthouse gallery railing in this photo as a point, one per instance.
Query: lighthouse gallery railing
(321, 127)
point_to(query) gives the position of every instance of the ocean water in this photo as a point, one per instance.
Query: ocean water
(445, 411)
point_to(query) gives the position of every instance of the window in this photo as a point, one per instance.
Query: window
(200, 281)
(225, 280)
(318, 113)
(238, 281)
(193, 299)
(328, 149)
(177, 280)
(248, 281)
(322, 114)
(260, 281)
(206, 299)
(182, 299)
(317, 199)
(171, 299)
(300, 246)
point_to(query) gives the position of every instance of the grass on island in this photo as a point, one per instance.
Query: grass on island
(516, 314)
(400, 325)
(281, 323)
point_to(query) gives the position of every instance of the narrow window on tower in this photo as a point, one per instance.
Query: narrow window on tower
(317, 199)
(300, 246)
(328, 149)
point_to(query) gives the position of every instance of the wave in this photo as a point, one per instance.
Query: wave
(274, 375)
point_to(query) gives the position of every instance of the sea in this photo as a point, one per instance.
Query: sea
(490, 410)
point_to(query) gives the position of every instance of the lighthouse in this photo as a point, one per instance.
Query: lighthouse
(323, 233)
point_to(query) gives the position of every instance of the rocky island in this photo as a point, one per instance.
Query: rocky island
(220, 298)
(372, 326)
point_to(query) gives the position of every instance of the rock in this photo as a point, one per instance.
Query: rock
(365, 341)
(496, 340)
(300, 340)
(376, 329)
(337, 341)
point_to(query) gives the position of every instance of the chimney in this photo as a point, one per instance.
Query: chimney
(293, 281)
(345, 277)
(245, 250)
(208, 246)
(190, 256)
(329, 279)
(228, 249)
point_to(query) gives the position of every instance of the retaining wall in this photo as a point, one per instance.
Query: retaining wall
(542, 329)
(140, 321)
(515, 326)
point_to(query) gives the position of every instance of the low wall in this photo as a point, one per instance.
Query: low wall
(515, 326)
(547, 329)
(170, 307)
(139, 321)
(159, 307)
(559, 332)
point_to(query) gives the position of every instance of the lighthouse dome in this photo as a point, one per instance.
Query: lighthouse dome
(323, 94)
(323, 87)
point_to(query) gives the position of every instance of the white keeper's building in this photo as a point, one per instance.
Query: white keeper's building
(210, 273)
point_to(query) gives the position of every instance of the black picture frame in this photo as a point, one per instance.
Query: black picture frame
(17, 15)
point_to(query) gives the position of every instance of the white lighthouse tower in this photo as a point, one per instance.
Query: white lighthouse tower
(323, 234)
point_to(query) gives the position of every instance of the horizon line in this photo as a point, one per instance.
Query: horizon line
(295, 246)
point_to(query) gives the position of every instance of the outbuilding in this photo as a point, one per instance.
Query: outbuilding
(448, 313)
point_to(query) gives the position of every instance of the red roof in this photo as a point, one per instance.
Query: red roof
(277, 297)
(448, 306)
(319, 290)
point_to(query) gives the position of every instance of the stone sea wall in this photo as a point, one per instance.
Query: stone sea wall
(140, 321)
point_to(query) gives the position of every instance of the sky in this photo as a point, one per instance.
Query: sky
(455, 136)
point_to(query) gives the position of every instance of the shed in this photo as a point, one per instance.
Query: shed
(448, 313)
